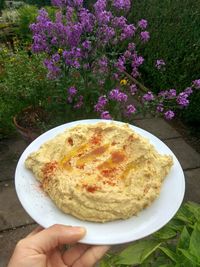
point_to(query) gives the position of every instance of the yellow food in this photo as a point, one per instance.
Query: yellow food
(100, 172)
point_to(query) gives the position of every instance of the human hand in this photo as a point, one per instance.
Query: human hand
(44, 248)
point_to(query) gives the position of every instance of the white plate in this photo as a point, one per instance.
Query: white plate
(40, 207)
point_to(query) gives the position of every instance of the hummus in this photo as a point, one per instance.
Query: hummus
(100, 172)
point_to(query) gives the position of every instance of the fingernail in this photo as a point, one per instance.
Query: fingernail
(77, 229)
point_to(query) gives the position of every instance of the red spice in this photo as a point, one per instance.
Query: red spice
(110, 182)
(70, 141)
(108, 172)
(118, 156)
(91, 188)
(49, 168)
(96, 139)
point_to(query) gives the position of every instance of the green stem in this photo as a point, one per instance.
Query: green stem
(142, 87)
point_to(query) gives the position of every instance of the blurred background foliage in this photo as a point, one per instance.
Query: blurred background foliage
(174, 27)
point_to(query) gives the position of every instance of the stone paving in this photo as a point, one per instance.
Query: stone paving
(15, 222)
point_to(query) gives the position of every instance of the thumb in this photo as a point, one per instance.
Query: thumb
(54, 236)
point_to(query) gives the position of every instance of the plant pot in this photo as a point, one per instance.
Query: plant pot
(27, 123)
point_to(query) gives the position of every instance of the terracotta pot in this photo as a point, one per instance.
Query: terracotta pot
(27, 133)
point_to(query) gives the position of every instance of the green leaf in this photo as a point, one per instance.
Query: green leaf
(148, 251)
(189, 256)
(194, 208)
(160, 260)
(184, 240)
(165, 233)
(176, 225)
(194, 246)
(171, 254)
(138, 252)
(184, 215)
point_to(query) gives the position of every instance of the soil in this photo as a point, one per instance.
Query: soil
(32, 118)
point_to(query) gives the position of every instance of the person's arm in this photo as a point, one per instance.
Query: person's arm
(42, 248)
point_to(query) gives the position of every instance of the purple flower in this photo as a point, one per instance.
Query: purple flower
(114, 94)
(160, 107)
(182, 99)
(148, 96)
(135, 72)
(64, 3)
(56, 57)
(103, 62)
(160, 63)
(53, 70)
(122, 4)
(100, 6)
(54, 41)
(105, 34)
(130, 109)
(105, 115)
(169, 114)
(188, 91)
(116, 76)
(131, 47)
(79, 103)
(196, 84)
(137, 61)
(133, 89)
(86, 45)
(70, 99)
(102, 101)
(104, 17)
(144, 36)
(72, 91)
(142, 24)
(127, 54)
(122, 97)
(120, 64)
(87, 20)
(119, 22)
(69, 13)
(171, 94)
(162, 93)
(128, 32)
(117, 95)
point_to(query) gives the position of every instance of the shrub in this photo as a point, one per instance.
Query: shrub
(175, 37)
(23, 83)
(91, 52)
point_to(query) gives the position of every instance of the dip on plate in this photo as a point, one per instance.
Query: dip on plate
(100, 172)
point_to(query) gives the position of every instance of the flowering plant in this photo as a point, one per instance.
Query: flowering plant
(93, 56)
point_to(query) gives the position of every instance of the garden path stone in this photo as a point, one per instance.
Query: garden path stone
(158, 127)
(8, 241)
(12, 213)
(188, 157)
(192, 179)
(10, 151)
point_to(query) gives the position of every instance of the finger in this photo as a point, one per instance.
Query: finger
(91, 256)
(53, 237)
(72, 254)
(54, 259)
(36, 230)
